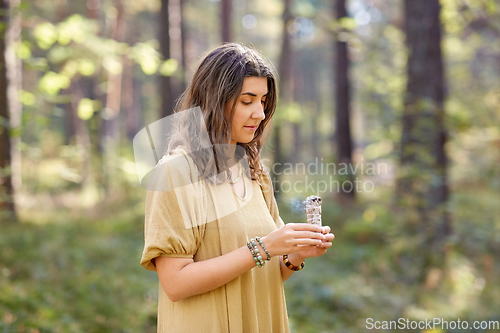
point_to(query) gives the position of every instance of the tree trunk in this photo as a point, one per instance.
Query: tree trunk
(14, 77)
(7, 206)
(285, 92)
(315, 96)
(82, 134)
(68, 112)
(225, 19)
(182, 26)
(177, 47)
(422, 183)
(342, 104)
(167, 107)
(93, 9)
(298, 96)
(134, 121)
(113, 102)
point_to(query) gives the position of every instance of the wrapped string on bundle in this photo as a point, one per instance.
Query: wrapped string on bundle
(313, 210)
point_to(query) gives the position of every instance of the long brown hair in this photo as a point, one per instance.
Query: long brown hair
(217, 81)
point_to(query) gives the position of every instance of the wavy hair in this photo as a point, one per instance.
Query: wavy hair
(218, 81)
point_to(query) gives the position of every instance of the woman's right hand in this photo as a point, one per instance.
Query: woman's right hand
(293, 237)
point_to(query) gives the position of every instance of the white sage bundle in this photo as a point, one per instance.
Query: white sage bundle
(313, 210)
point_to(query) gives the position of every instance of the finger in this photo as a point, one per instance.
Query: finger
(304, 227)
(308, 234)
(306, 248)
(307, 241)
(326, 229)
(329, 237)
(326, 245)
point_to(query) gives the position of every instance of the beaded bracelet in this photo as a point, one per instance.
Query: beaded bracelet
(256, 256)
(263, 247)
(290, 265)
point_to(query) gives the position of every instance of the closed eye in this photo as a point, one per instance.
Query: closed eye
(251, 102)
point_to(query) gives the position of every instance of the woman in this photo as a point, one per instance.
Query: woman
(201, 235)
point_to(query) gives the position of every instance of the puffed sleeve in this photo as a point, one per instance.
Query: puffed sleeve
(175, 212)
(268, 192)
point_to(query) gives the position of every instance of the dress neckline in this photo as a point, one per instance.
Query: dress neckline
(245, 186)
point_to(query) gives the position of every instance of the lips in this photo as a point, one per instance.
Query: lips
(253, 128)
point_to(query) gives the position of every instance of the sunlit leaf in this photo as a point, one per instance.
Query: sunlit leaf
(75, 28)
(70, 68)
(168, 67)
(85, 108)
(26, 97)
(348, 23)
(112, 65)
(58, 54)
(148, 68)
(52, 83)
(23, 50)
(86, 67)
(147, 56)
(45, 34)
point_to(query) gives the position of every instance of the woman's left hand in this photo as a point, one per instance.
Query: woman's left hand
(315, 251)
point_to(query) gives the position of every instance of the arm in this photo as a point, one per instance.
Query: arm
(181, 277)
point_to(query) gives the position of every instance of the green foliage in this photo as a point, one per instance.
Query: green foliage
(366, 272)
(82, 276)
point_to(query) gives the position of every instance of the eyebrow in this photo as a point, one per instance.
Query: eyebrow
(252, 94)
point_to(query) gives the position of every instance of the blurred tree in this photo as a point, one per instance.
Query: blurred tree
(7, 206)
(342, 96)
(68, 112)
(167, 95)
(422, 183)
(225, 19)
(14, 77)
(183, 30)
(110, 124)
(297, 77)
(177, 43)
(285, 92)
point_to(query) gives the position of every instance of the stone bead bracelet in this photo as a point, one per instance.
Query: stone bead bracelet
(256, 254)
(264, 248)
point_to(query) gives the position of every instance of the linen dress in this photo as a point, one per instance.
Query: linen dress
(201, 221)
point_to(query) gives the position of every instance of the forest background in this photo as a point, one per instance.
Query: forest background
(411, 85)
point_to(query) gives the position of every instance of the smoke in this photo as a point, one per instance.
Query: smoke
(298, 208)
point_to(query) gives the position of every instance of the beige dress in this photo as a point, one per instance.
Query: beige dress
(202, 221)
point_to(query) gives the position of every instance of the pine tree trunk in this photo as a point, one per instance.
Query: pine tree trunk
(225, 19)
(285, 91)
(422, 183)
(113, 102)
(342, 102)
(82, 135)
(166, 81)
(7, 206)
(182, 26)
(14, 77)
(177, 48)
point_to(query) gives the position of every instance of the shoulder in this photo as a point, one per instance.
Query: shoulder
(178, 166)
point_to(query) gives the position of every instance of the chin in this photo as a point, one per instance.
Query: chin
(246, 140)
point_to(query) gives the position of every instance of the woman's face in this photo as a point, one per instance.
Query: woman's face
(249, 109)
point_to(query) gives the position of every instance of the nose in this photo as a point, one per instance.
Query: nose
(259, 113)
